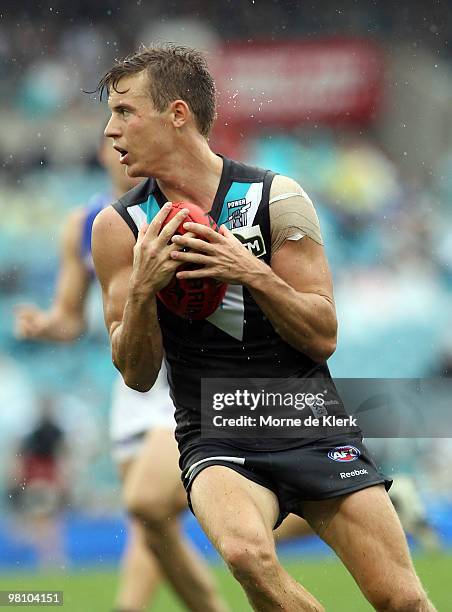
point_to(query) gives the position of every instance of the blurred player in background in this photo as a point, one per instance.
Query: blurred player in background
(282, 318)
(38, 485)
(401, 455)
(141, 429)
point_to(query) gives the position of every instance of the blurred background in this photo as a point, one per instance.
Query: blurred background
(353, 99)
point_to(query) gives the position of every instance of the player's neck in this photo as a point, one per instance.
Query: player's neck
(194, 175)
(120, 186)
(119, 191)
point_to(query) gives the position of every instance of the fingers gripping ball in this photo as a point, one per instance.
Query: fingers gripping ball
(195, 298)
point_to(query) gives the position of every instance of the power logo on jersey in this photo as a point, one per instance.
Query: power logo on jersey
(344, 454)
(237, 213)
(240, 204)
(240, 215)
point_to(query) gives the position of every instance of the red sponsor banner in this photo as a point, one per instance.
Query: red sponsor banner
(292, 82)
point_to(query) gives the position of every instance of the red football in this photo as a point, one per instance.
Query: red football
(195, 298)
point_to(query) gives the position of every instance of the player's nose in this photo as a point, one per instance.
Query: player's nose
(112, 129)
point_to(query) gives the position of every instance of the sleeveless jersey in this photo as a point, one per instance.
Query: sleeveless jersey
(237, 340)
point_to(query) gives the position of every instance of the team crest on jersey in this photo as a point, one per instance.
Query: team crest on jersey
(344, 454)
(237, 213)
(252, 238)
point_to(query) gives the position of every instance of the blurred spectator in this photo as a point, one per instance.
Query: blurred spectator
(38, 486)
(46, 87)
(17, 401)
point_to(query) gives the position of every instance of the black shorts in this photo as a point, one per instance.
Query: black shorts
(321, 470)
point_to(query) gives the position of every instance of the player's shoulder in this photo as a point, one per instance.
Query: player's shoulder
(111, 240)
(109, 228)
(107, 220)
(284, 186)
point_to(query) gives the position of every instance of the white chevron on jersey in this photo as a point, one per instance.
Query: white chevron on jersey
(138, 215)
(229, 316)
(254, 195)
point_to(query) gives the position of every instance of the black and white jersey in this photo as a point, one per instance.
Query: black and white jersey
(237, 340)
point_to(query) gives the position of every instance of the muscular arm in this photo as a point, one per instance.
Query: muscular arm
(296, 295)
(65, 320)
(131, 274)
(295, 292)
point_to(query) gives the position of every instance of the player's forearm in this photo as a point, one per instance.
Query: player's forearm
(68, 331)
(137, 343)
(306, 321)
(61, 326)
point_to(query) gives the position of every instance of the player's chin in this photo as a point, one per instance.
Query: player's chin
(133, 171)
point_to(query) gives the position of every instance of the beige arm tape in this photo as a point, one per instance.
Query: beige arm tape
(292, 214)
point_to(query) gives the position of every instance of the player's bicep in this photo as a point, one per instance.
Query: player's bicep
(112, 249)
(304, 266)
(298, 255)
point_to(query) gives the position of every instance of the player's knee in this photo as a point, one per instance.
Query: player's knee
(248, 558)
(404, 600)
(153, 510)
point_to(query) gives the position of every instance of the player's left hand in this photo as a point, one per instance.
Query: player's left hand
(220, 255)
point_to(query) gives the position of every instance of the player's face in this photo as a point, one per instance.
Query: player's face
(140, 133)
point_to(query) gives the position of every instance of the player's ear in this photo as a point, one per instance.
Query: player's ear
(180, 113)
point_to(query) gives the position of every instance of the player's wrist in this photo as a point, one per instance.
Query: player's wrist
(45, 329)
(141, 292)
(256, 276)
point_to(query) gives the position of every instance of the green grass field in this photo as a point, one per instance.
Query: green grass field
(93, 591)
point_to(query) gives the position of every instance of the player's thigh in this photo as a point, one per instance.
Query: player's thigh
(236, 513)
(365, 532)
(154, 473)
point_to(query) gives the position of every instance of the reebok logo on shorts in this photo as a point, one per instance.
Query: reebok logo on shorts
(353, 473)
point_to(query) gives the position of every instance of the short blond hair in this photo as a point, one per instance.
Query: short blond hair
(174, 72)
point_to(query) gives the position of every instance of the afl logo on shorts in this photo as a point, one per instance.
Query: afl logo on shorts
(344, 454)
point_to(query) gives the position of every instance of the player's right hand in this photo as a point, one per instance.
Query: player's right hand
(153, 267)
(30, 322)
